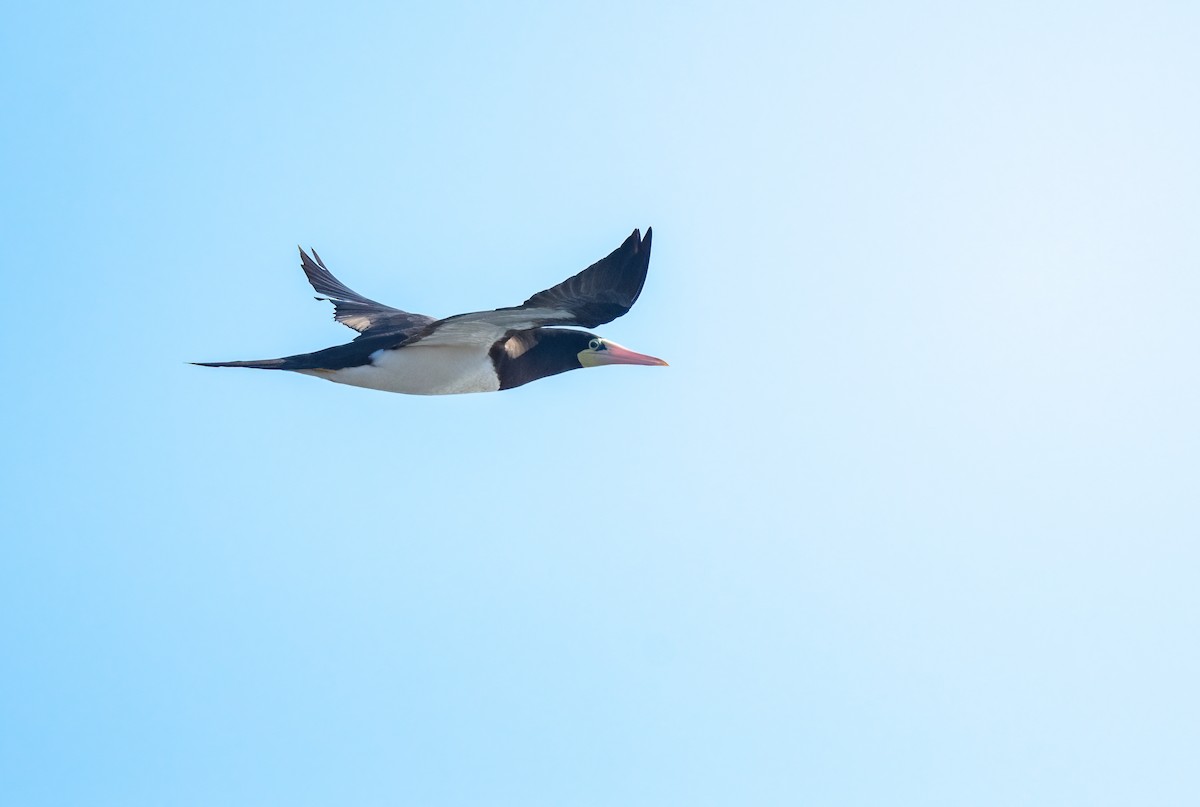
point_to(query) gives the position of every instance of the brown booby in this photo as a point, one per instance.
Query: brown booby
(484, 351)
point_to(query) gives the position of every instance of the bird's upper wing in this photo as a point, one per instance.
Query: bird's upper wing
(353, 310)
(599, 294)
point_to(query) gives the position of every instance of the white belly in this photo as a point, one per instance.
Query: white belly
(421, 370)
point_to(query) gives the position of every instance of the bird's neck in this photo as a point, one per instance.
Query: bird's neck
(530, 355)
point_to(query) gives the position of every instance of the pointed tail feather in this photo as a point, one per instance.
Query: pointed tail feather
(262, 364)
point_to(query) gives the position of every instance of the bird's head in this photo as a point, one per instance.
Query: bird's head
(599, 351)
(529, 355)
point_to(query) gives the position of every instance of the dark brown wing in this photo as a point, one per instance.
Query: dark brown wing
(605, 290)
(599, 294)
(352, 309)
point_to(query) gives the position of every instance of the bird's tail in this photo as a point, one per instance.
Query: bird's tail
(261, 364)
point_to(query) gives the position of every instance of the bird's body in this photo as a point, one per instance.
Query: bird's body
(484, 351)
(418, 370)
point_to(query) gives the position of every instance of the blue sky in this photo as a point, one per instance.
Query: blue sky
(911, 519)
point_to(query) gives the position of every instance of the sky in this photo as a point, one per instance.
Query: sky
(911, 519)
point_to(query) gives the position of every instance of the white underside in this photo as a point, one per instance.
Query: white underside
(421, 370)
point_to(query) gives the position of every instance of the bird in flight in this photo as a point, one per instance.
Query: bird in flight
(483, 351)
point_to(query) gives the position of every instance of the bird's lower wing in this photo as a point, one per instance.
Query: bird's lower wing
(487, 327)
(354, 310)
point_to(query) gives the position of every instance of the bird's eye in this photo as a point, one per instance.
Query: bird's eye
(595, 344)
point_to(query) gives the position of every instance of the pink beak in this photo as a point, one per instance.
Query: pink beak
(615, 354)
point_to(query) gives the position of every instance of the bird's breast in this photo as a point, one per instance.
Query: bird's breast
(422, 370)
